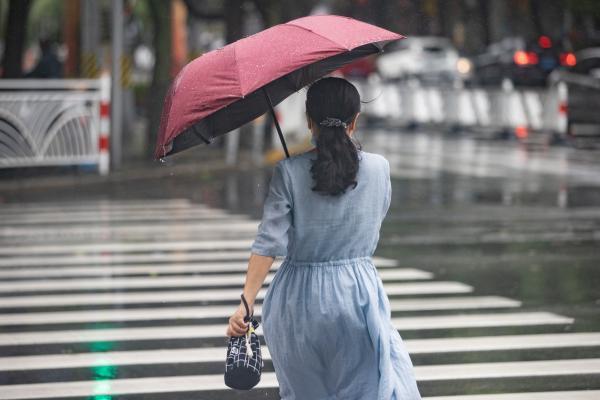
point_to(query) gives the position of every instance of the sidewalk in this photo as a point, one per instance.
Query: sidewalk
(188, 163)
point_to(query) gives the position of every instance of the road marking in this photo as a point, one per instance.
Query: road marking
(111, 282)
(511, 369)
(137, 269)
(59, 285)
(58, 220)
(153, 269)
(269, 380)
(558, 395)
(103, 259)
(215, 331)
(215, 354)
(66, 206)
(86, 231)
(504, 342)
(481, 320)
(199, 312)
(119, 247)
(165, 258)
(418, 304)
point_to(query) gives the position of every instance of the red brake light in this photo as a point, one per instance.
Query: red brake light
(568, 59)
(525, 58)
(545, 42)
(533, 58)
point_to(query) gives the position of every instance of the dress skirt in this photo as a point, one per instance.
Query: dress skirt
(327, 326)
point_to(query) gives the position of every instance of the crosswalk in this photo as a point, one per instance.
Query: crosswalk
(106, 308)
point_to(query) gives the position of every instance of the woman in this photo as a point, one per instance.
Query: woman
(325, 315)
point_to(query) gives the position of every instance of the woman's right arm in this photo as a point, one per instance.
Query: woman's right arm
(258, 268)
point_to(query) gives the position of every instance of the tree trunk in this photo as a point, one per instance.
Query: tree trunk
(160, 12)
(14, 38)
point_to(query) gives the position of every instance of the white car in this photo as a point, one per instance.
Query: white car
(433, 58)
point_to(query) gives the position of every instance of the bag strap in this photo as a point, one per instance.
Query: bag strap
(248, 316)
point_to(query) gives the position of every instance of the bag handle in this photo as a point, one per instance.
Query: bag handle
(248, 316)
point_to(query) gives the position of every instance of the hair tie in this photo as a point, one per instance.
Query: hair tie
(331, 122)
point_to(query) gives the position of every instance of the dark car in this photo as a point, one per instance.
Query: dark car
(525, 64)
(581, 101)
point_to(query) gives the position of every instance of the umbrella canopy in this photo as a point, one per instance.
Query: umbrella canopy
(228, 87)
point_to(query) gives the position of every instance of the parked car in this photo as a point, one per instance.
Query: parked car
(426, 58)
(582, 98)
(525, 64)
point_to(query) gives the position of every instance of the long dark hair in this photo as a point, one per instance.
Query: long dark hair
(336, 165)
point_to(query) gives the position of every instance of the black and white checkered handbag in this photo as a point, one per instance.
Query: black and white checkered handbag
(244, 362)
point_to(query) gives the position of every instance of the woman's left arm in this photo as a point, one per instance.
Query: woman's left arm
(258, 268)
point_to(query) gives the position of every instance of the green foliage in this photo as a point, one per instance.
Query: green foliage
(45, 20)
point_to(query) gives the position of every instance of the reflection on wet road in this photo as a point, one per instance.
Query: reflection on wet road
(489, 255)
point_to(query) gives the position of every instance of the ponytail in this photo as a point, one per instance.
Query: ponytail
(333, 103)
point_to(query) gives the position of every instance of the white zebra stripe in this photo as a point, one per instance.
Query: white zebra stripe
(110, 282)
(215, 354)
(57, 220)
(66, 206)
(103, 259)
(268, 379)
(149, 228)
(558, 395)
(199, 312)
(404, 289)
(119, 247)
(442, 303)
(215, 331)
(167, 258)
(150, 269)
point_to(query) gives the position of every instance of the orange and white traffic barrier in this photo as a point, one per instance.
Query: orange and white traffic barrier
(104, 134)
(563, 109)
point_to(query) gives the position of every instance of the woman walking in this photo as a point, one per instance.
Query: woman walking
(325, 315)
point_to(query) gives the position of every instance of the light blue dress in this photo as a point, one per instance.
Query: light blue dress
(325, 315)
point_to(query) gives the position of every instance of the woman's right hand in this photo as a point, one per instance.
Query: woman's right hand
(237, 326)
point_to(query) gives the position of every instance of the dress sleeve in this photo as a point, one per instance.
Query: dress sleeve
(388, 191)
(273, 230)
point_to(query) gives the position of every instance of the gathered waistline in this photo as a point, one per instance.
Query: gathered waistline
(328, 263)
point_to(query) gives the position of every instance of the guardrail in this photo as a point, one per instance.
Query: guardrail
(47, 122)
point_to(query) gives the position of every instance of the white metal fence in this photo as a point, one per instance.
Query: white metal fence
(54, 122)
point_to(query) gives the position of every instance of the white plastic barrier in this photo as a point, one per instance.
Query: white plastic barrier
(506, 108)
(54, 122)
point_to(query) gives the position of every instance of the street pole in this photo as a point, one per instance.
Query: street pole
(116, 112)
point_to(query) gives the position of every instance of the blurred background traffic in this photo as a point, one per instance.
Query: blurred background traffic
(511, 68)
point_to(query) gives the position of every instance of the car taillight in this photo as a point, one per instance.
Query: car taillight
(568, 59)
(545, 42)
(525, 58)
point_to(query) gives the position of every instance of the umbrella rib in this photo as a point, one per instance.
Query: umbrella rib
(318, 34)
(237, 68)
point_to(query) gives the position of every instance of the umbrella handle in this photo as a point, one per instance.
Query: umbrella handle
(270, 103)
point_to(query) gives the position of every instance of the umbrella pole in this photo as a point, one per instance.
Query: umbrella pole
(287, 154)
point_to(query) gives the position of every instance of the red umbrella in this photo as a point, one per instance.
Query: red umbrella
(228, 87)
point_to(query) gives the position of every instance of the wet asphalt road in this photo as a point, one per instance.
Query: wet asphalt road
(490, 255)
